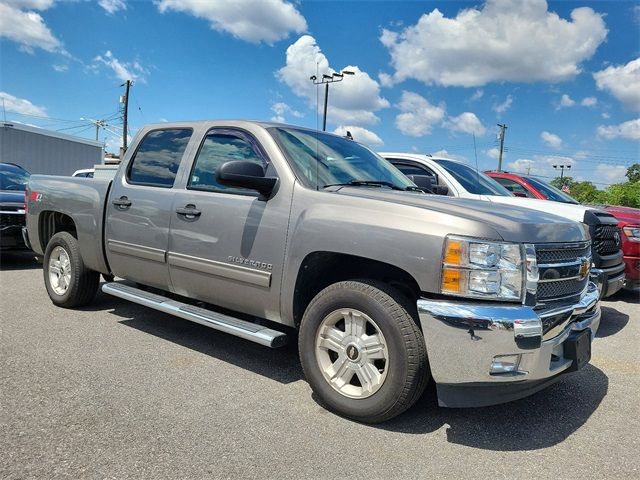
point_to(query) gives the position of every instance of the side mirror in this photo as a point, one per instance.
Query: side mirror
(441, 190)
(244, 174)
(426, 182)
(519, 194)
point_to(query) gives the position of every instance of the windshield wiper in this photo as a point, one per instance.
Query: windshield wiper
(368, 183)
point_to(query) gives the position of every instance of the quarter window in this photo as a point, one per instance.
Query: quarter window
(158, 157)
(218, 148)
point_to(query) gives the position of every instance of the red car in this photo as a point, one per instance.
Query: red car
(526, 186)
(628, 218)
(629, 223)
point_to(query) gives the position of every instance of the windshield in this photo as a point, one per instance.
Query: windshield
(320, 160)
(472, 180)
(549, 191)
(13, 178)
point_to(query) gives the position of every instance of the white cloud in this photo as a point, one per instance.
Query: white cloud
(443, 153)
(418, 116)
(551, 139)
(280, 109)
(112, 6)
(589, 102)
(504, 106)
(254, 21)
(361, 135)
(385, 79)
(20, 105)
(623, 82)
(505, 40)
(60, 67)
(123, 70)
(477, 95)
(352, 101)
(610, 173)
(565, 101)
(466, 122)
(27, 27)
(605, 115)
(628, 130)
(494, 153)
(541, 165)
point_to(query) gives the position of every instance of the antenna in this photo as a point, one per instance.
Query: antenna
(475, 152)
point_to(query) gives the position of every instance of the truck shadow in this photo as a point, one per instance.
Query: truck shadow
(540, 421)
(281, 365)
(626, 296)
(612, 322)
(18, 260)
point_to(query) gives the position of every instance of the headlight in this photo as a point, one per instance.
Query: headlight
(632, 232)
(490, 270)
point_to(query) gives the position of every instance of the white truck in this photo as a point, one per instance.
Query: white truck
(445, 176)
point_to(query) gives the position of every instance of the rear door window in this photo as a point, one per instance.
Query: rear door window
(157, 159)
(513, 186)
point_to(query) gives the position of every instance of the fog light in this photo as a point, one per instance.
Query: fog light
(505, 364)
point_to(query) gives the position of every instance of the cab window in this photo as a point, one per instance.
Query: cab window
(157, 159)
(513, 187)
(218, 148)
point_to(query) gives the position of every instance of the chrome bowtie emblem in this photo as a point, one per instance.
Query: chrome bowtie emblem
(585, 267)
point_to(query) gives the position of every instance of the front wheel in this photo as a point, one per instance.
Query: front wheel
(362, 351)
(69, 283)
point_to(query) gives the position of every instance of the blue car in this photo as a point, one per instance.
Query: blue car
(13, 183)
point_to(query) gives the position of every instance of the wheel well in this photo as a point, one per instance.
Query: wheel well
(321, 269)
(52, 223)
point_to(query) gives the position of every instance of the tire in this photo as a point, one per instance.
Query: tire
(363, 326)
(62, 259)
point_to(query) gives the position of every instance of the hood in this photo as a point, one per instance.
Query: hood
(12, 196)
(566, 210)
(627, 215)
(512, 223)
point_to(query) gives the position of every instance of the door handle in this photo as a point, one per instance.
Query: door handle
(122, 202)
(189, 212)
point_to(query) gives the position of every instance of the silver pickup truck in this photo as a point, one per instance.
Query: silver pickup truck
(268, 231)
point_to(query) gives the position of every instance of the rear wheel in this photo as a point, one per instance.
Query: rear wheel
(69, 283)
(362, 351)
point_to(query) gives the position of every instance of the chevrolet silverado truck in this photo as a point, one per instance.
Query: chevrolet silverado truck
(451, 177)
(268, 232)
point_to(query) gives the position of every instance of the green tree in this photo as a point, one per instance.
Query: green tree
(561, 182)
(586, 192)
(633, 172)
(626, 194)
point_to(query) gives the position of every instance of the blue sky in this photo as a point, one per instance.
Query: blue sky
(564, 76)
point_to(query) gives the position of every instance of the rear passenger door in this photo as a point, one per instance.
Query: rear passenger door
(230, 250)
(140, 206)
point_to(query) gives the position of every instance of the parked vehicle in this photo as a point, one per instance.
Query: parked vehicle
(629, 223)
(531, 187)
(288, 228)
(85, 172)
(13, 182)
(453, 178)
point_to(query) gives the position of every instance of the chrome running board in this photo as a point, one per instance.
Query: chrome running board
(218, 321)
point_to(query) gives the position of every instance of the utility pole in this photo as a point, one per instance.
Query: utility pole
(97, 123)
(503, 129)
(125, 113)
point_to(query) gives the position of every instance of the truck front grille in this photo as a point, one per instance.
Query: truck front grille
(559, 271)
(606, 239)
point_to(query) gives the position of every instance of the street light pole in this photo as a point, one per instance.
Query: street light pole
(326, 80)
(562, 167)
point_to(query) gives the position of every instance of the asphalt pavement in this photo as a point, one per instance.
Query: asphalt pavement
(115, 390)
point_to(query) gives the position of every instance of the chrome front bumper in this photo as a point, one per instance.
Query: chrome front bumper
(463, 339)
